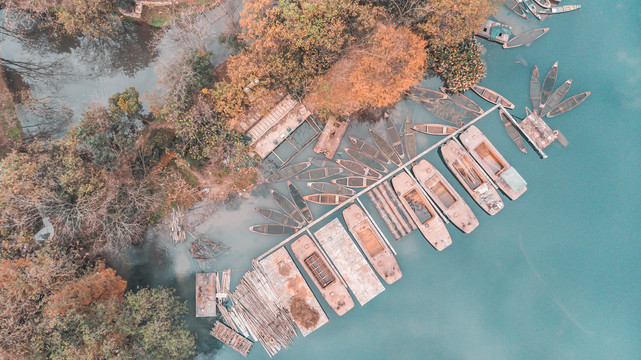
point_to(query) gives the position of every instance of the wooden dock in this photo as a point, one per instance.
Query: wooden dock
(330, 138)
(231, 338)
(206, 286)
(351, 265)
(291, 288)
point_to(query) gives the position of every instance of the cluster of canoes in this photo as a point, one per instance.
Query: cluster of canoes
(538, 7)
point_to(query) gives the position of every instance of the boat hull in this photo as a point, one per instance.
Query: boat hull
(421, 94)
(318, 174)
(445, 197)
(512, 131)
(410, 140)
(299, 201)
(354, 181)
(278, 217)
(525, 38)
(394, 137)
(555, 99)
(385, 148)
(435, 129)
(492, 96)
(365, 160)
(560, 9)
(331, 188)
(326, 199)
(358, 169)
(568, 104)
(471, 177)
(369, 149)
(535, 88)
(288, 172)
(494, 164)
(429, 224)
(516, 8)
(548, 85)
(273, 229)
(372, 244)
(464, 101)
(288, 207)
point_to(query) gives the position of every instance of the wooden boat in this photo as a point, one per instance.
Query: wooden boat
(321, 162)
(358, 169)
(385, 148)
(394, 137)
(287, 172)
(327, 199)
(492, 96)
(512, 131)
(372, 244)
(548, 85)
(545, 4)
(568, 104)
(515, 7)
(471, 176)
(435, 129)
(273, 229)
(288, 207)
(318, 174)
(560, 9)
(494, 164)
(555, 99)
(277, 216)
(448, 111)
(330, 188)
(365, 160)
(410, 140)
(419, 94)
(525, 38)
(299, 201)
(369, 149)
(464, 101)
(322, 275)
(535, 88)
(445, 197)
(532, 8)
(354, 181)
(421, 211)
(494, 31)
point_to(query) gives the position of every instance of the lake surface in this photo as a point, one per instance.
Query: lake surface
(555, 275)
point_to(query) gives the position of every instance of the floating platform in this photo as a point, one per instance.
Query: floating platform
(330, 138)
(231, 338)
(206, 287)
(322, 274)
(351, 265)
(291, 288)
(393, 213)
(537, 130)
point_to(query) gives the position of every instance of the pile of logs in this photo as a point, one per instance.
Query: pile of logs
(205, 250)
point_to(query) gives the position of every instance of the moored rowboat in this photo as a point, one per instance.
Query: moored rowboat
(277, 216)
(464, 101)
(535, 88)
(560, 9)
(492, 96)
(556, 97)
(434, 129)
(287, 172)
(515, 7)
(369, 149)
(321, 162)
(512, 131)
(365, 160)
(530, 6)
(288, 207)
(548, 85)
(318, 174)
(299, 201)
(420, 94)
(330, 188)
(525, 38)
(445, 197)
(358, 169)
(326, 199)
(393, 136)
(545, 4)
(385, 148)
(354, 181)
(273, 229)
(569, 104)
(410, 140)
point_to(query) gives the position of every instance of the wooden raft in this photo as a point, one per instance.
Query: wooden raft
(231, 338)
(331, 137)
(538, 130)
(393, 213)
(206, 285)
(351, 265)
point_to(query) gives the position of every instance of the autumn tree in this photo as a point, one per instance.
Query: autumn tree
(448, 22)
(373, 75)
(459, 66)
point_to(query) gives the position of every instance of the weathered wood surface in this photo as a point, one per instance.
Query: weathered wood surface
(352, 266)
(231, 338)
(206, 294)
(330, 138)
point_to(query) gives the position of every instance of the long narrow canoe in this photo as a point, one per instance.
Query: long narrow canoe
(548, 85)
(530, 6)
(330, 188)
(445, 197)
(419, 94)
(277, 216)
(545, 4)
(354, 181)
(299, 201)
(358, 169)
(372, 244)
(464, 101)
(385, 148)
(535, 88)
(568, 104)
(410, 140)
(326, 199)
(512, 131)
(525, 38)
(393, 136)
(434, 129)
(365, 160)
(288, 207)
(514, 6)
(369, 149)
(555, 99)
(560, 9)
(273, 229)
(492, 96)
(288, 171)
(321, 162)
(318, 174)
(444, 110)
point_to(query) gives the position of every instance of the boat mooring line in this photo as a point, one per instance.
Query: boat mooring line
(380, 181)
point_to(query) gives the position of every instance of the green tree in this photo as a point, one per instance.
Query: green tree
(96, 18)
(459, 66)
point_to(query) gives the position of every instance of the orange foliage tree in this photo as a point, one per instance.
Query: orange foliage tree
(373, 75)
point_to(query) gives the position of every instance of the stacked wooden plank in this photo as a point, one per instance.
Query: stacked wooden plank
(231, 338)
(393, 213)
